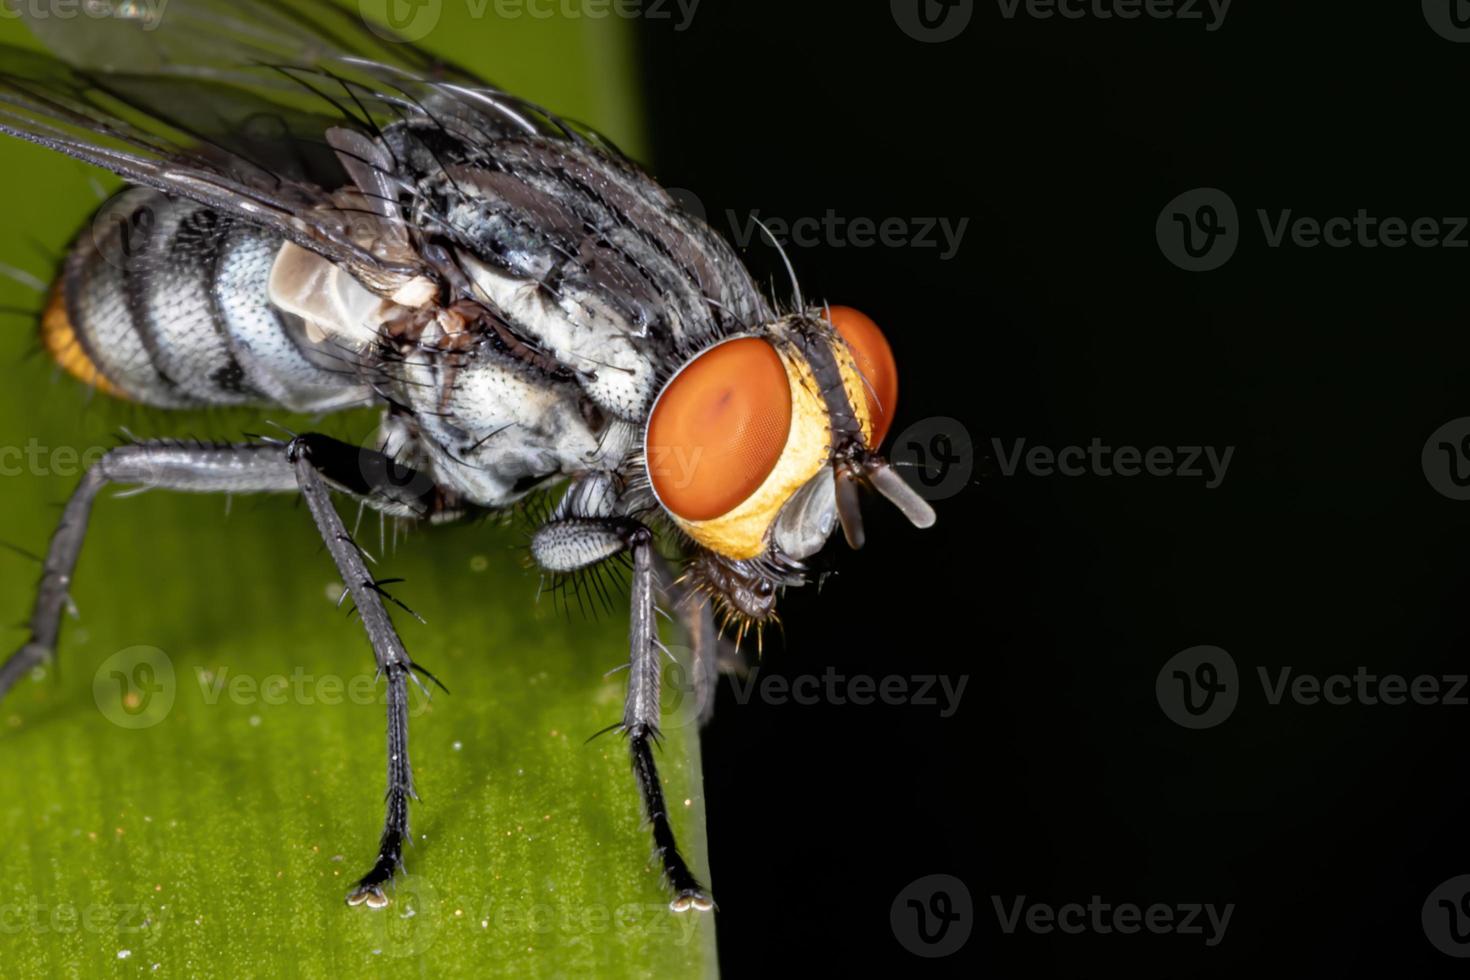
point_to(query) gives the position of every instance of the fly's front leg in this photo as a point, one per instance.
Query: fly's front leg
(711, 652)
(640, 724)
(164, 465)
(575, 543)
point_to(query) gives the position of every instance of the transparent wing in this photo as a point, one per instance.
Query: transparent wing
(298, 116)
(242, 105)
(191, 36)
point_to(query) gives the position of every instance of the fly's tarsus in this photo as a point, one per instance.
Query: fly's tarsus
(688, 892)
(369, 889)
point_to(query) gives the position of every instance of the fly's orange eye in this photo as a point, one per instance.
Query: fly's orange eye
(874, 362)
(718, 429)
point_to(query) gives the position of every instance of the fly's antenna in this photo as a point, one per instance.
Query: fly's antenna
(790, 269)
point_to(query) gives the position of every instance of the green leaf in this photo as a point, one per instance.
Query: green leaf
(195, 785)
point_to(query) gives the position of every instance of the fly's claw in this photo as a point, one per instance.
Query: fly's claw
(369, 890)
(692, 898)
(371, 895)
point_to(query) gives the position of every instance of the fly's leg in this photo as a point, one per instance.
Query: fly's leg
(698, 620)
(165, 465)
(567, 545)
(310, 465)
(640, 724)
(392, 659)
(713, 654)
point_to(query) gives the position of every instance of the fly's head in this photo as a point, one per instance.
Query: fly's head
(757, 446)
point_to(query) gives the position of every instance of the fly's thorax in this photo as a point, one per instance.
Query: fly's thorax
(612, 357)
(497, 417)
(496, 428)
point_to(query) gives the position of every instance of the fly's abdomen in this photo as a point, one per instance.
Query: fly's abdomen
(164, 302)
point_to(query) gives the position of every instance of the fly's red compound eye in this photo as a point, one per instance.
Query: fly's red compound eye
(719, 428)
(874, 362)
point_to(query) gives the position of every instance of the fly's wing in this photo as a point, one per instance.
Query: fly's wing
(222, 36)
(268, 109)
(262, 109)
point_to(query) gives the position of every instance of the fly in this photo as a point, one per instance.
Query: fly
(318, 219)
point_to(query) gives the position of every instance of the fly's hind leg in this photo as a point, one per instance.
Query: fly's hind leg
(313, 466)
(166, 465)
(570, 544)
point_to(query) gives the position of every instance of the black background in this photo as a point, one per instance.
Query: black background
(1325, 549)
